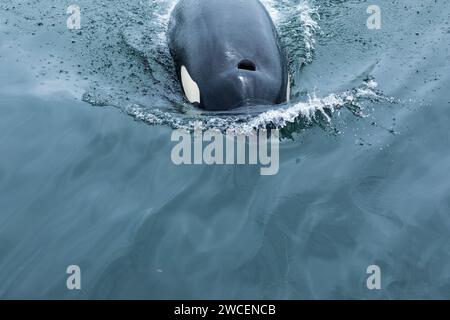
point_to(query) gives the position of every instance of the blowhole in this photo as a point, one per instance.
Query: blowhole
(247, 65)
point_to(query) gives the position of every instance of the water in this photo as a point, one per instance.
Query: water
(86, 176)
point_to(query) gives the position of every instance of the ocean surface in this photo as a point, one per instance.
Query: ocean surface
(86, 176)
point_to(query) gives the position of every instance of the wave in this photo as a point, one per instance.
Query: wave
(243, 121)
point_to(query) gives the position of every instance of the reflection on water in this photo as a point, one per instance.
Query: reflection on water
(365, 184)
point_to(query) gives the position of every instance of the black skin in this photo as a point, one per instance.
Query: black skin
(231, 50)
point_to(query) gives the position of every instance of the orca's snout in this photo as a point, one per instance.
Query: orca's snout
(242, 85)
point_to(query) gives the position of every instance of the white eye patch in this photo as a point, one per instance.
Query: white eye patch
(288, 91)
(190, 87)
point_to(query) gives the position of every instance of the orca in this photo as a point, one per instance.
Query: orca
(227, 54)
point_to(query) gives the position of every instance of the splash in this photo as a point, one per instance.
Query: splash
(297, 24)
(307, 111)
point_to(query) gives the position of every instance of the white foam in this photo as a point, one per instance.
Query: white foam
(277, 117)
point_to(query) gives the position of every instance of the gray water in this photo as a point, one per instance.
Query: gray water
(86, 176)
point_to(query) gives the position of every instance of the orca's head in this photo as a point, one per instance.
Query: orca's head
(237, 82)
(227, 54)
